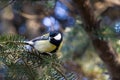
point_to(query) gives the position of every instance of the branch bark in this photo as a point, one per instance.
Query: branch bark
(103, 48)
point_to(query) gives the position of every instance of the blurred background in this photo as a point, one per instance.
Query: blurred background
(32, 18)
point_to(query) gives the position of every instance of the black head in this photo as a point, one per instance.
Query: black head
(55, 37)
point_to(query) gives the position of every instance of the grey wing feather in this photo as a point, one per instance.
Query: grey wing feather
(40, 38)
(31, 42)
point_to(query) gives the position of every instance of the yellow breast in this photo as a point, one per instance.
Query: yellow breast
(44, 46)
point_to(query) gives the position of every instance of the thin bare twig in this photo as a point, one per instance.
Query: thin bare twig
(10, 2)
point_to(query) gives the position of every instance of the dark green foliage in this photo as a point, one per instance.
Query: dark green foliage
(55, 72)
(105, 33)
(22, 64)
(76, 42)
(21, 72)
(18, 4)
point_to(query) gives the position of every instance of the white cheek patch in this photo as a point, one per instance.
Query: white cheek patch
(58, 37)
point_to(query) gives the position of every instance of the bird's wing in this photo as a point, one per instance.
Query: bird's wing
(44, 46)
(32, 42)
(44, 37)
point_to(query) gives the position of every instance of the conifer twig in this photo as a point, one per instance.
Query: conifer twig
(13, 51)
(1, 45)
(31, 74)
(16, 42)
(57, 69)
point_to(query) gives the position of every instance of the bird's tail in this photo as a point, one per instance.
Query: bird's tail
(29, 45)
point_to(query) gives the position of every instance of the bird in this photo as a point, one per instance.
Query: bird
(48, 43)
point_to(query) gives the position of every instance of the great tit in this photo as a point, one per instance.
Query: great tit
(48, 43)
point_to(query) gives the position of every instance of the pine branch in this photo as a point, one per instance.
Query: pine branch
(59, 71)
(15, 42)
(31, 73)
(22, 64)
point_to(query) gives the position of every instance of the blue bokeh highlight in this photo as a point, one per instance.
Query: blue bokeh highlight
(117, 27)
(49, 22)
